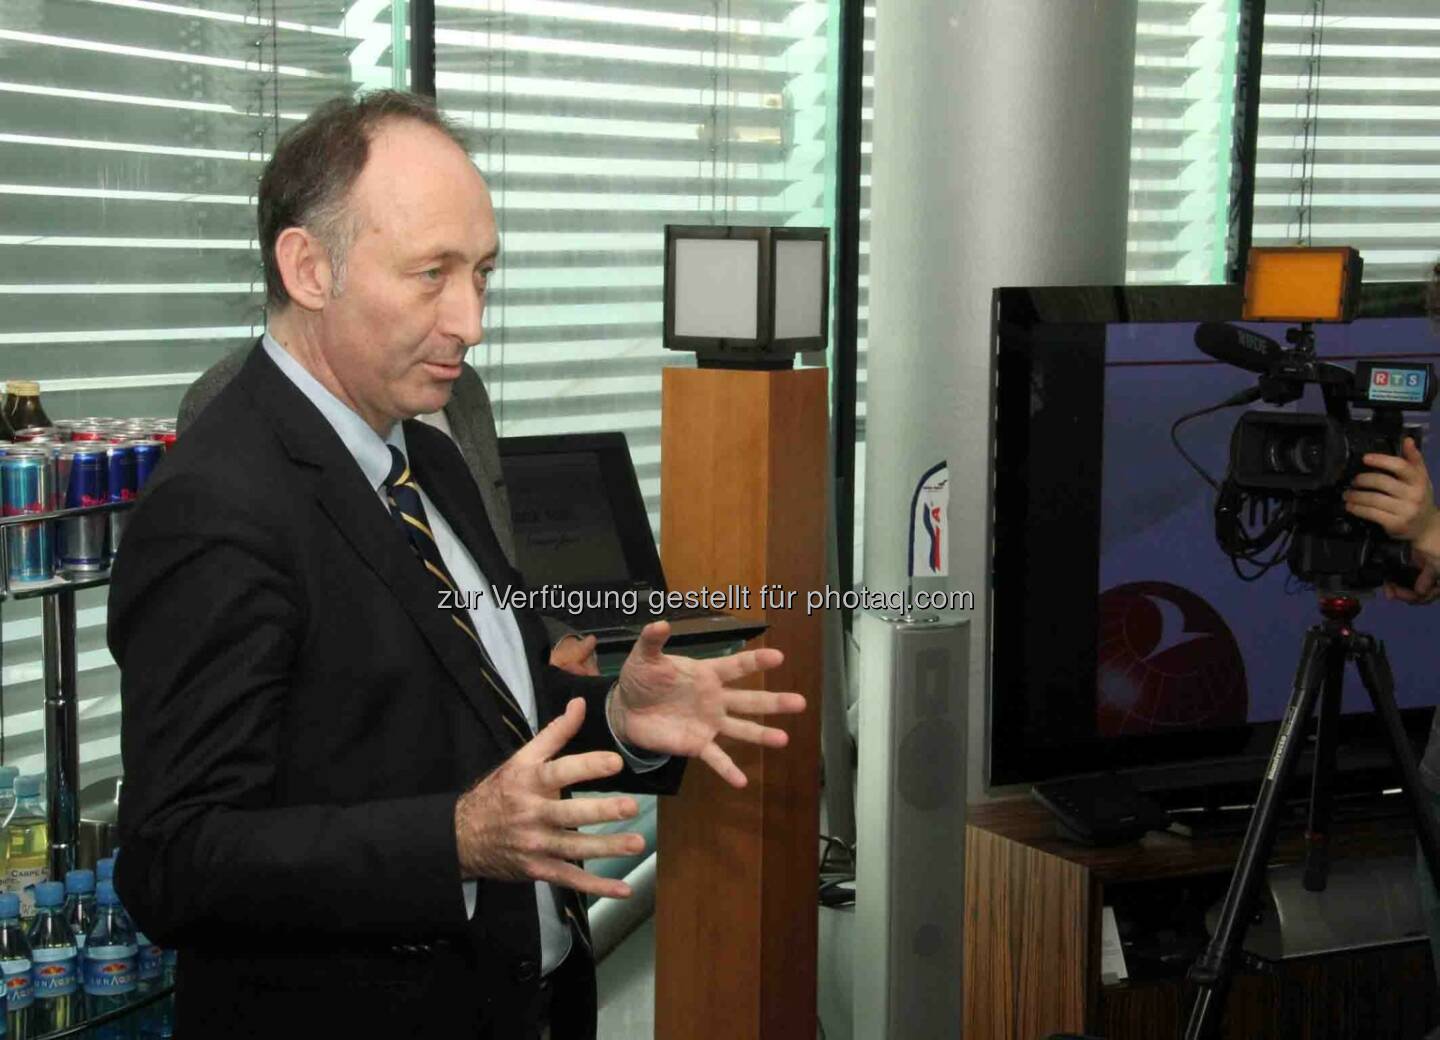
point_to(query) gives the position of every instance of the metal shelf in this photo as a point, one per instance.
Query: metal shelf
(57, 584)
(62, 742)
(58, 654)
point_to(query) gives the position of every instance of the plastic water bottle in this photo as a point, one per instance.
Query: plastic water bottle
(16, 963)
(56, 974)
(80, 904)
(105, 869)
(110, 965)
(27, 844)
(151, 961)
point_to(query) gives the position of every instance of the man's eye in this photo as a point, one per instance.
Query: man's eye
(432, 275)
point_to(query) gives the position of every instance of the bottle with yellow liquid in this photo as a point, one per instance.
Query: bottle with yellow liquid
(7, 806)
(27, 844)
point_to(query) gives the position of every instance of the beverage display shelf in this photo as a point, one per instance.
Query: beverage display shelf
(61, 582)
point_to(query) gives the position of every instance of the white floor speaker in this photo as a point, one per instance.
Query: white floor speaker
(910, 828)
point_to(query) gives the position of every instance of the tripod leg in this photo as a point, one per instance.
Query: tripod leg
(1317, 834)
(1211, 971)
(1374, 668)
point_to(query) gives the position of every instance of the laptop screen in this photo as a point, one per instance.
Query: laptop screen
(579, 516)
(565, 529)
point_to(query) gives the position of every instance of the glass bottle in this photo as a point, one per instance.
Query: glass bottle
(22, 404)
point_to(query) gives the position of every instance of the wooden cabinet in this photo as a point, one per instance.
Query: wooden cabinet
(1033, 911)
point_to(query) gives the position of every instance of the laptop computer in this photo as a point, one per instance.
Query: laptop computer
(585, 547)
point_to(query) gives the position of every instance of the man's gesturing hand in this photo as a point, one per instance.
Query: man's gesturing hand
(513, 825)
(679, 705)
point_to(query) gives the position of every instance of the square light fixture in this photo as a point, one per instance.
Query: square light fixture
(746, 297)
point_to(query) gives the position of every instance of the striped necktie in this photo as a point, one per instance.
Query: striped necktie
(403, 494)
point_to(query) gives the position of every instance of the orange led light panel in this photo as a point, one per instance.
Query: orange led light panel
(1302, 284)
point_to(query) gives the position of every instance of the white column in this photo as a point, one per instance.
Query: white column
(1001, 154)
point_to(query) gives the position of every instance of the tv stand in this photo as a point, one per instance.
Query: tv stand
(1033, 913)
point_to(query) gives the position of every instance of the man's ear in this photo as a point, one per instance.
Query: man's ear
(304, 265)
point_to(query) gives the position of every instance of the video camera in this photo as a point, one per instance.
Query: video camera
(1288, 470)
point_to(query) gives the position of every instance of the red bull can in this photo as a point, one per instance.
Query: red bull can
(27, 485)
(120, 471)
(148, 454)
(81, 476)
(38, 433)
(167, 438)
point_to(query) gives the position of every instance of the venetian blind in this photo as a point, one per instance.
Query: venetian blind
(131, 136)
(1349, 148)
(596, 123)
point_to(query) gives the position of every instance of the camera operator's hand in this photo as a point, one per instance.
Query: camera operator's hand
(1426, 589)
(1400, 499)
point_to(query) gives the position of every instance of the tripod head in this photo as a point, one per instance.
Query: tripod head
(1339, 607)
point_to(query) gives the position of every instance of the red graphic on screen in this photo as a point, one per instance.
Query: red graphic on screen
(1167, 661)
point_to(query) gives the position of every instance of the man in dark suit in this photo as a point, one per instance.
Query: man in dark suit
(469, 419)
(346, 758)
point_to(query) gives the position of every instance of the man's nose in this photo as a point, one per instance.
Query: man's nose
(464, 308)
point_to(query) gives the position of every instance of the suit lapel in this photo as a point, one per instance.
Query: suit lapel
(356, 510)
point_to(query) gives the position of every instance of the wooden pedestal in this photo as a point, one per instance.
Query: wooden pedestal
(743, 503)
(1032, 941)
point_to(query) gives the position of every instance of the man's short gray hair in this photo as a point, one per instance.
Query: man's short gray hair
(307, 181)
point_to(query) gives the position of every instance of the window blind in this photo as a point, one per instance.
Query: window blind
(1349, 142)
(596, 123)
(132, 133)
(1180, 138)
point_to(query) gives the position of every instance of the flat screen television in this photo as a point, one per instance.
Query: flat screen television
(1121, 637)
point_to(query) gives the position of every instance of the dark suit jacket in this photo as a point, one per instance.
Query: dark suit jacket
(298, 720)
(469, 413)
(472, 423)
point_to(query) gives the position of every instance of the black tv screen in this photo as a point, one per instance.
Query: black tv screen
(1121, 635)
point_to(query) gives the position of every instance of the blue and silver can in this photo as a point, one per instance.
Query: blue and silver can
(27, 485)
(148, 454)
(120, 471)
(81, 474)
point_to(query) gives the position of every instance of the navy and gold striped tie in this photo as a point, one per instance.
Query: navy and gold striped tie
(403, 494)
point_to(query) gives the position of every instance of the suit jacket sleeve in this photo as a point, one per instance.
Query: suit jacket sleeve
(205, 622)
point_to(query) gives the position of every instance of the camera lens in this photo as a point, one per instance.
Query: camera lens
(1299, 454)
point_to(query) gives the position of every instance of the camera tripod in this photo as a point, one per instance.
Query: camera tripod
(1320, 677)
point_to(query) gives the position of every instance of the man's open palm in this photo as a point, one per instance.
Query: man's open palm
(679, 705)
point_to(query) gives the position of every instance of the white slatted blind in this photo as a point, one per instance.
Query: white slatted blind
(131, 136)
(596, 123)
(1349, 149)
(1180, 138)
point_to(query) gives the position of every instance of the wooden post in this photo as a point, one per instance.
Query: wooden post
(743, 503)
